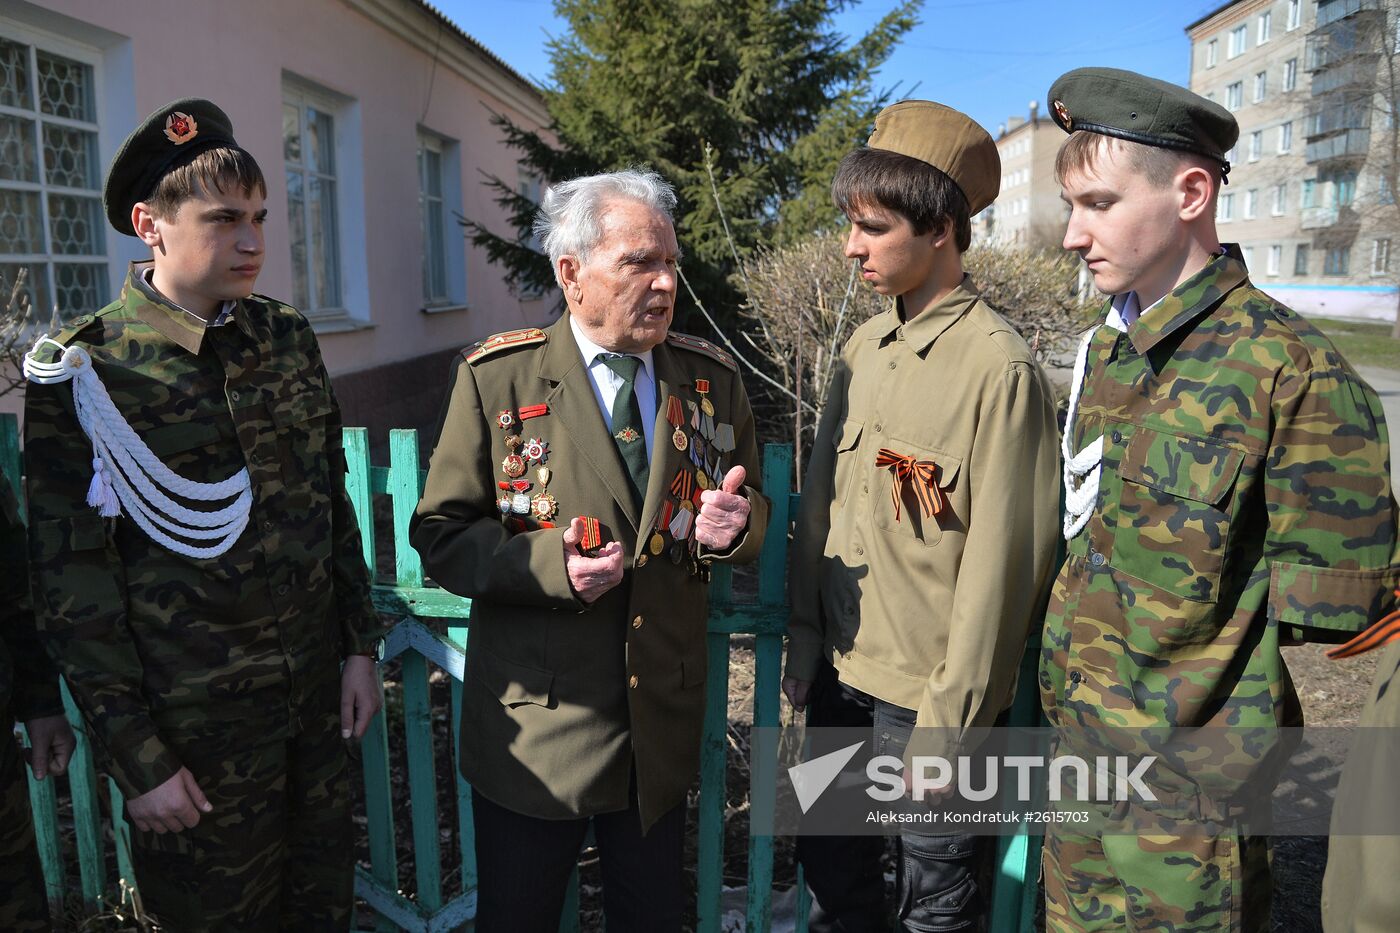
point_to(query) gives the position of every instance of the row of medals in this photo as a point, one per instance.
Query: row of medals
(515, 496)
(676, 518)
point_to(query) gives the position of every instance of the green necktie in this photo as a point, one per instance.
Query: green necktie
(627, 423)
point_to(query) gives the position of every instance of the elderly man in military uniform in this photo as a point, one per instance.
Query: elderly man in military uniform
(28, 692)
(584, 479)
(197, 567)
(1227, 492)
(927, 530)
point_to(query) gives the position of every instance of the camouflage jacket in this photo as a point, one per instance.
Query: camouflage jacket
(159, 648)
(28, 680)
(1245, 498)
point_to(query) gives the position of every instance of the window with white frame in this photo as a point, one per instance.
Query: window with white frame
(1275, 259)
(1238, 37)
(1295, 14)
(1251, 200)
(1380, 256)
(1280, 199)
(1290, 74)
(1225, 208)
(430, 215)
(1256, 145)
(1337, 261)
(1266, 26)
(1285, 136)
(1300, 259)
(1248, 252)
(1212, 53)
(1261, 85)
(51, 220)
(309, 155)
(1233, 155)
(1234, 95)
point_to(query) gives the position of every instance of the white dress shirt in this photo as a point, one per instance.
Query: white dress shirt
(606, 382)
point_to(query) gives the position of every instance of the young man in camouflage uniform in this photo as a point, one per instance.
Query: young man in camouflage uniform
(28, 692)
(199, 577)
(1228, 492)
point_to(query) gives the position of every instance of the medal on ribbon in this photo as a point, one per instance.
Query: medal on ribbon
(702, 388)
(544, 506)
(675, 417)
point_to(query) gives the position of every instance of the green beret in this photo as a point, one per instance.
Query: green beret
(1144, 110)
(950, 141)
(166, 140)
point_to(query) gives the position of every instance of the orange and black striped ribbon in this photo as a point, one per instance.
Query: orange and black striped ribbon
(1385, 631)
(683, 486)
(917, 473)
(592, 534)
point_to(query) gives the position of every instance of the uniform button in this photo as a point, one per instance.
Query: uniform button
(859, 549)
(893, 364)
(1074, 677)
(637, 622)
(1117, 437)
(1096, 559)
(283, 590)
(632, 681)
(864, 487)
(879, 427)
(83, 321)
(268, 525)
(233, 395)
(642, 561)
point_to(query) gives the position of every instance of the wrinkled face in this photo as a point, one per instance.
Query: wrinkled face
(893, 258)
(211, 251)
(624, 295)
(1128, 231)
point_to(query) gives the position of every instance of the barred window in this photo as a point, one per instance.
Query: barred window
(308, 149)
(51, 220)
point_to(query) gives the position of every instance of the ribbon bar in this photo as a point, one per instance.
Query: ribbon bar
(917, 473)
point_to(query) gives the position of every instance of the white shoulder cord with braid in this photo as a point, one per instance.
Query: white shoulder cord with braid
(1082, 469)
(121, 461)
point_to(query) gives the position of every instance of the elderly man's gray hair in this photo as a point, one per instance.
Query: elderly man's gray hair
(569, 221)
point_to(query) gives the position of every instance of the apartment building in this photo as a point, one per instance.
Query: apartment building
(1300, 201)
(1028, 212)
(371, 120)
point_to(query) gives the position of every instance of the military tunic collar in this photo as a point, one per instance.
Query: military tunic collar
(1186, 302)
(177, 324)
(928, 325)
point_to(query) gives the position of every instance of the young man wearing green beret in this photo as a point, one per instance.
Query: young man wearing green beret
(1227, 493)
(197, 567)
(926, 534)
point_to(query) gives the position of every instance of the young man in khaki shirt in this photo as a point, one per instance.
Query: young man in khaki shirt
(929, 512)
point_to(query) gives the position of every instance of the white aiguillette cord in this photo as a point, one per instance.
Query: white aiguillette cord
(1081, 469)
(126, 473)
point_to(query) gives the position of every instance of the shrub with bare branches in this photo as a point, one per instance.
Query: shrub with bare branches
(18, 327)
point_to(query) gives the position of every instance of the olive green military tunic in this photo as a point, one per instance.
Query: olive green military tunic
(928, 612)
(563, 699)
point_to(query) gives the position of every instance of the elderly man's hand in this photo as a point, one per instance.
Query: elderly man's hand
(590, 577)
(797, 691)
(723, 512)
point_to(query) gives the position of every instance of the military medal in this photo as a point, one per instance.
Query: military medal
(513, 466)
(544, 506)
(503, 503)
(702, 386)
(536, 450)
(505, 419)
(520, 502)
(627, 435)
(675, 416)
(702, 480)
(724, 438)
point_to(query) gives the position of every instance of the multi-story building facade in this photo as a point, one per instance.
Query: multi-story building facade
(1298, 189)
(1028, 212)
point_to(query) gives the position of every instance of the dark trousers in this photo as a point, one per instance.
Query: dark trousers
(276, 852)
(23, 904)
(944, 879)
(523, 865)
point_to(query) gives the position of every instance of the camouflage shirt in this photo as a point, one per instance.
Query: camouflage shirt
(160, 648)
(1245, 498)
(28, 680)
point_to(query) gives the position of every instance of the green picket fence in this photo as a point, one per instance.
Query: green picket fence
(419, 649)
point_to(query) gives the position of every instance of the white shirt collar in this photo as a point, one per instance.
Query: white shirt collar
(1125, 310)
(225, 310)
(591, 351)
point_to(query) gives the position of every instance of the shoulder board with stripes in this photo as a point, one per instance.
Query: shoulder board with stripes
(695, 344)
(498, 342)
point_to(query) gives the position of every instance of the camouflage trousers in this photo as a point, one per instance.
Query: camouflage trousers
(275, 853)
(22, 900)
(1202, 882)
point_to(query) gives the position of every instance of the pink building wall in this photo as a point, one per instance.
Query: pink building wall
(379, 56)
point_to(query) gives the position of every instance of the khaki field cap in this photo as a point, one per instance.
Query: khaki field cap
(950, 141)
